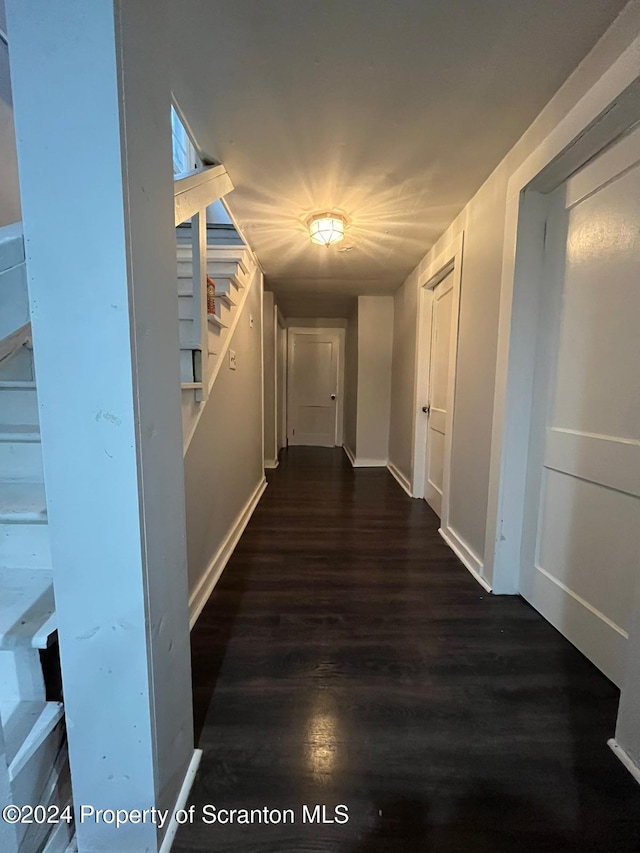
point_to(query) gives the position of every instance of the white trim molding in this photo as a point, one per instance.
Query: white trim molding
(207, 582)
(397, 474)
(350, 454)
(340, 335)
(449, 260)
(181, 802)
(271, 464)
(624, 758)
(601, 116)
(466, 555)
(198, 189)
(362, 462)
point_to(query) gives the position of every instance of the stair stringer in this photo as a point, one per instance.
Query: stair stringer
(197, 408)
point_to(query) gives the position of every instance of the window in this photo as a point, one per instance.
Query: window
(185, 158)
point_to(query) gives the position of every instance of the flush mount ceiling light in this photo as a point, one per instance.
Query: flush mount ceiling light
(326, 228)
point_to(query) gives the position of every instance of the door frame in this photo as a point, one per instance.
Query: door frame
(281, 386)
(271, 461)
(448, 261)
(309, 330)
(603, 115)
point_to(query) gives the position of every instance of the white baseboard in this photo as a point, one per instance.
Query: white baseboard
(399, 476)
(466, 556)
(597, 636)
(271, 464)
(350, 454)
(182, 800)
(619, 752)
(360, 462)
(203, 590)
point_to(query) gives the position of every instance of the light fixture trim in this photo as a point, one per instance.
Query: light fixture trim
(326, 229)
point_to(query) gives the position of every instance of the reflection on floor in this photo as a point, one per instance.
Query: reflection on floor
(346, 657)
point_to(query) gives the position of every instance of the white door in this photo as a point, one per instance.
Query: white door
(314, 362)
(441, 320)
(581, 538)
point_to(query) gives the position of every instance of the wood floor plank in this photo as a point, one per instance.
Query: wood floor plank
(347, 657)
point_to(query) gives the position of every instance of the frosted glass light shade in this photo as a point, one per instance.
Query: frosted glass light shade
(326, 229)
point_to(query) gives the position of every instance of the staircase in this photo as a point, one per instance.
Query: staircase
(232, 268)
(33, 758)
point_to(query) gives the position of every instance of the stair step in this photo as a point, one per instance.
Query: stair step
(20, 432)
(17, 384)
(238, 254)
(45, 780)
(27, 609)
(225, 299)
(226, 282)
(14, 299)
(22, 503)
(235, 254)
(185, 307)
(62, 837)
(222, 269)
(25, 545)
(216, 321)
(11, 245)
(225, 288)
(215, 269)
(18, 402)
(27, 726)
(19, 365)
(21, 453)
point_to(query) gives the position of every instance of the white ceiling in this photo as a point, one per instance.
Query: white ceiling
(391, 112)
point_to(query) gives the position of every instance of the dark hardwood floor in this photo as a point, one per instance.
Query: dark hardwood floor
(347, 657)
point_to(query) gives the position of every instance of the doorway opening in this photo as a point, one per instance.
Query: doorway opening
(564, 499)
(315, 386)
(434, 393)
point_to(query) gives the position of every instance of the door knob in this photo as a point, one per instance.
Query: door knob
(426, 409)
(333, 396)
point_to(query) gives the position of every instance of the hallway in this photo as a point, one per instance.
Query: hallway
(347, 657)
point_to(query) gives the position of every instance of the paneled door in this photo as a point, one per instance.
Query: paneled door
(581, 539)
(438, 405)
(314, 360)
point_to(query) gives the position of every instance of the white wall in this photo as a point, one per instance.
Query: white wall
(375, 342)
(351, 382)
(281, 380)
(482, 221)
(9, 193)
(405, 308)
(224, 464)
(317, 322)
(269, 327)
